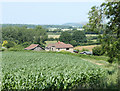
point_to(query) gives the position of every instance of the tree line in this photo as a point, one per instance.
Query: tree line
(24, 36)
(21, 35)
(44, 26)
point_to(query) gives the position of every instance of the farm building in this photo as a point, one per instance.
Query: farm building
(35, 47)
(59, 46)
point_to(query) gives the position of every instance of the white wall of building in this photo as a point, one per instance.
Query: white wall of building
(59, 49)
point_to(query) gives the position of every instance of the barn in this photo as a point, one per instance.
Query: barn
(59, 46)
(35, 47)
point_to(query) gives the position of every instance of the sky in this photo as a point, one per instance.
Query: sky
(45, 12)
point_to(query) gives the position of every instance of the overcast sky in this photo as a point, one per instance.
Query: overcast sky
(45, 12)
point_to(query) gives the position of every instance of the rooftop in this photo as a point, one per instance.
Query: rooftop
(60, 45)
(32, 46)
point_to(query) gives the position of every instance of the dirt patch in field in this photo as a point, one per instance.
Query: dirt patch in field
(93, 62)
(90, 47)
(98, 64)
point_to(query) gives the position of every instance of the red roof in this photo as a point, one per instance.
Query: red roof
(32, 46)
(60, 45)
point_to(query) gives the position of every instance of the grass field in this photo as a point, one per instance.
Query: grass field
(57, 36)
(91, 35)
(53, 36)
(90, 47)
(48, 42)
(94, 40)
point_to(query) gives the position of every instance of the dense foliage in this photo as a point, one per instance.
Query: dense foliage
(79, 37)
(65, 37)
(49, 71)
(10, 44)
(98, 51)
(106, 18)
(76, 38)
(20, 35)
(25, 35)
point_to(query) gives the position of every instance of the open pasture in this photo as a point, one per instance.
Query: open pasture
(90, 47)
(53, 36)
(49, 42)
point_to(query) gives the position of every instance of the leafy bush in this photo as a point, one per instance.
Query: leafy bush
(97, 51)
(26, 44)
(85, 44)
(50, 39)
(2, 49)
(10, 44)
(16, 48)
(73, 42)
(84, 49)
(77, 50)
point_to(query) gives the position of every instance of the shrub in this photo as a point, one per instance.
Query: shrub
(25, 44)
(86, 44)
(73, 42)
(84, 49)
(97, 51)
(10, 44)
(77, 50)
(2, 49)
(42, 45)
(50, 39)
(16, 48)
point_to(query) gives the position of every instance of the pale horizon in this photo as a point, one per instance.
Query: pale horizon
(46, 13)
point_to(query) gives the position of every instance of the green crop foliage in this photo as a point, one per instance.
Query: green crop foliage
(49, 71)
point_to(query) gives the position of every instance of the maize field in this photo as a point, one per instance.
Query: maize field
(48, 71)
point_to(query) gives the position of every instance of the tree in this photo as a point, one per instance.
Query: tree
(79, 37)
(95, 20)
(73, 42)
(65, 37)
(40, 35)
(21, 35)
(110, 39)
(97, 51)
(112, 12)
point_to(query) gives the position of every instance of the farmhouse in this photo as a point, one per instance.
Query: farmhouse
(59, 46)
(35, 47)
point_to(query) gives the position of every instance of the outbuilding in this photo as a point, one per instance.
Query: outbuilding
(35, 47)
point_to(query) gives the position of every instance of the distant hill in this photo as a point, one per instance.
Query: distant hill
(44, 26)
(75, 24)
(63, 26)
